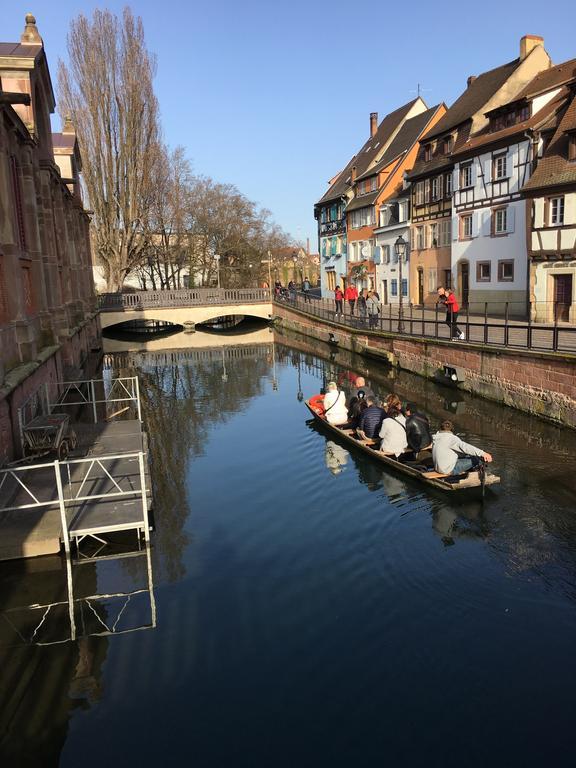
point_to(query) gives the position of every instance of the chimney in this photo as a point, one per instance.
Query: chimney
(470, 80)
(353, 174)
(373, 123)
(528, 43)
(30, 36)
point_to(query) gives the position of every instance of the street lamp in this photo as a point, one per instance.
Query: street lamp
(217, 259)
(295, 260)
(400, 251)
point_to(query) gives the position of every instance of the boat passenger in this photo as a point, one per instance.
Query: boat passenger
(418, 432)
(335, 405)
(371, 420)
(356, 407)
(453, 456)
(393, 431)
(392, 403)
(360, 384)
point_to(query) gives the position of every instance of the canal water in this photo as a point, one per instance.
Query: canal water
(301, 606)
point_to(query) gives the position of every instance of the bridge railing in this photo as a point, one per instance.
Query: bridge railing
(181, 297)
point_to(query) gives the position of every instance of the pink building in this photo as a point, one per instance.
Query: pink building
(48, 317)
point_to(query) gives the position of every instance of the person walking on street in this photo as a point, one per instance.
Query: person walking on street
(292, 291)
(373, 307)
(446, 296)
(306, 290)
(351, 294)
(362, 309)
(338, 299)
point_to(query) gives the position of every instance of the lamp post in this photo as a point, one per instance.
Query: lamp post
(400, 251)
(295, 260)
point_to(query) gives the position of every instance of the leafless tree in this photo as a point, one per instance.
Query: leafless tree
(107, 89)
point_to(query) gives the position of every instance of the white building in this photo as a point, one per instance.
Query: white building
(489, 223)
(394, 221)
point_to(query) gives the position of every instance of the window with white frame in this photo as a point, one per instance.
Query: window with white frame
(404, 287)
(386, 254)
(447, 184)
(362, 217)
(432, 279)
(465, 175)
(436, 187)
(500, 221)
(394, 287)
(466, 226)
(506, 271)
(499, 167)
(483, 270)
(557, 211)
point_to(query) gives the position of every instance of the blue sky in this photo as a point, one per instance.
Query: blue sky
(275, 97)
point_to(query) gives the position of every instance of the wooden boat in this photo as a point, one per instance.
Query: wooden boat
(422, 470)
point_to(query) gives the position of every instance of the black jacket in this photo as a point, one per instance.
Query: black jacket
(418, 432)
(371, 420)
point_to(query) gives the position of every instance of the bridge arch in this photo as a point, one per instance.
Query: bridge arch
(183, 315)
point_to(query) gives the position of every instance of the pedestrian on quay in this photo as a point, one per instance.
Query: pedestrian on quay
(292, 291)
(361, 306)
(373, 307)
(338, 299)
(306, 286)
(351, 295)
(448, 299)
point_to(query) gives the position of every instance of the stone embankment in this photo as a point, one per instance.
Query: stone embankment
(540, 383)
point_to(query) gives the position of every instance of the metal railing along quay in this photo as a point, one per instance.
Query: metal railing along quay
(182, 297)
(488, 328)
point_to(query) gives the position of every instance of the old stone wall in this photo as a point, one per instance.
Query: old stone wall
(540, 383)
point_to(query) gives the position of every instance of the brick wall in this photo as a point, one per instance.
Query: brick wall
(543, 384)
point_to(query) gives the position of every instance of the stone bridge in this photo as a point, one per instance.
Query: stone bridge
(184, 306)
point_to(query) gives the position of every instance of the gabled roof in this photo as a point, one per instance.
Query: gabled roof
(362, 201)
(368, 152)
(476, 95)
(554, 169)
(406, 137)
(548, 79)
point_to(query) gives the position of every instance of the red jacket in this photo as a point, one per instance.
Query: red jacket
(338, 295)
(451, 303)
(351, 293)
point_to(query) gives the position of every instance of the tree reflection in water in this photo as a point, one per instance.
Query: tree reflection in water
(184, 395)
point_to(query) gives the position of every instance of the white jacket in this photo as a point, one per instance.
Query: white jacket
(447, 448)
(336, 402)
(393, 434)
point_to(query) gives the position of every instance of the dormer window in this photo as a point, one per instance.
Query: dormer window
(448, 144)
(427, 153)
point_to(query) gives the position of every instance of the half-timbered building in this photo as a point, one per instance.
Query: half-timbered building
(489, 214)
(435, 180)
(551, 194)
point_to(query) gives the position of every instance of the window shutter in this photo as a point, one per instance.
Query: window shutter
(377, 255)
(488, 166)
(510, 218)
(474, 225)
(455, 228)
(486, 225)
(455, 179)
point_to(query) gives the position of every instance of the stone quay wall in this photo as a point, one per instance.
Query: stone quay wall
(540, 383)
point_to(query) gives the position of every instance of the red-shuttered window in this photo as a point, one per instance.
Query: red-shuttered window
(3, 295)
(18, 208)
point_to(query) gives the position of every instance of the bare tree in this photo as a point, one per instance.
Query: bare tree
(107, 89)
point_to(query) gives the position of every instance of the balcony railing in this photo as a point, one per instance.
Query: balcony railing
(333, 227)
